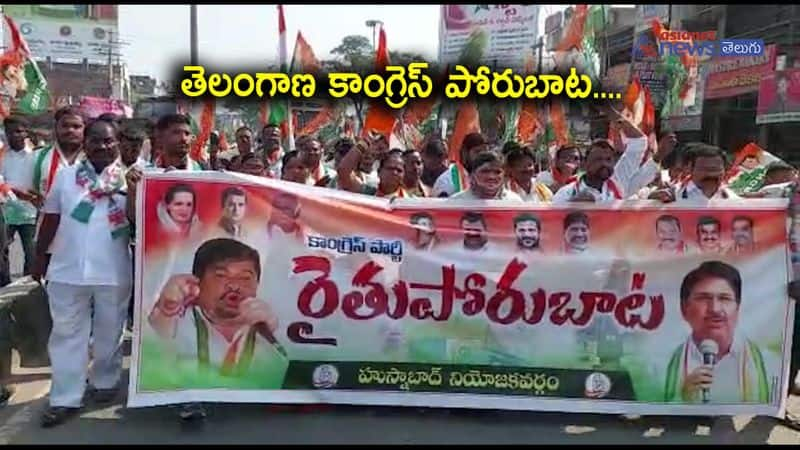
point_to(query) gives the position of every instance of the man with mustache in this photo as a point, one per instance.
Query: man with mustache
(476, 237)
(88, 275)
(174, 136)
(566, 164)
(670, 236)
(426, 230)
(67, 150)
(527, 229)
(607, 179)
(707, 174)
(213, 315)
(455, 179)
(311, 151)
(708, 234)
(576, 233)
(742, 234)
(710, 300)
(486, 180)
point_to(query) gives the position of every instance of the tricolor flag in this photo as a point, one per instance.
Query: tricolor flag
(749, 168)
(201, 116)
(638, 106)
(277, 111)
(23, 87)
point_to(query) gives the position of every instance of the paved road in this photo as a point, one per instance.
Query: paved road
(262, 424)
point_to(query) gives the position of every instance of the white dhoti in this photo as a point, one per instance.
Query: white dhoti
(71, 310)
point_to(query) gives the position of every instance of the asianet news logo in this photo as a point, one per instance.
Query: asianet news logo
(704, 43)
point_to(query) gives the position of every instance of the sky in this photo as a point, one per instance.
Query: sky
(245, 35)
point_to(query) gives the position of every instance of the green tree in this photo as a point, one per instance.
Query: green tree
(355, 51)
(356, 55)
(405, 58)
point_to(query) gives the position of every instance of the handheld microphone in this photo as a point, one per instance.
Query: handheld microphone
(263, 330)
(709, 349)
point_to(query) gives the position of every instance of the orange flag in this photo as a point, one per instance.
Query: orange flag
(198, 150)
(318, 121)
(528, 126)
(467, 121)
(380, 119)
(574, 32)
(559, 121)
(418, 111)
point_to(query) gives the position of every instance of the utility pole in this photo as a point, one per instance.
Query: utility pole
(540, 50)
(193, 33)
(110, 68)
(372, 24)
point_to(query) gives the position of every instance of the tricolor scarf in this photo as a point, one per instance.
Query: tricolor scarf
(559, 178)
(55, 162)
(611, 186)
(752, 374)
(459, 177)
(95, 187)
(318, 173)
(541, 191)
(235, 363)
(400, 192)
(191, 164)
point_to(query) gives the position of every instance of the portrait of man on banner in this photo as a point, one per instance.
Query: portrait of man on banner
(212, 320)
(716, 363)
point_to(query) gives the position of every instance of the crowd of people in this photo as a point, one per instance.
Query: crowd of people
(79, 193)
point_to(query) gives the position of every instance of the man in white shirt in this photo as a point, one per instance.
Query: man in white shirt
(454, 179)
(213, 315)
(576, 233)
(486, 181)
(521, 176)
(174, 136)
(311, 151)
(66, 151)
(131, 141)
(605, 181)
(16, 169)
(89, 273)
(707, 169)
(711, 296)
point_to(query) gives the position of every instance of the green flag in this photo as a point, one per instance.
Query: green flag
(37, 97)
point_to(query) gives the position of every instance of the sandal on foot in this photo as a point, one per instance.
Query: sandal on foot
(56, 415)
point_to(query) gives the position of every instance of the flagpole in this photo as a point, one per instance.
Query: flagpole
(289, 100)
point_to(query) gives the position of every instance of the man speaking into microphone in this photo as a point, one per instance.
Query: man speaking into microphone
(213, 318)
(715, 364)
